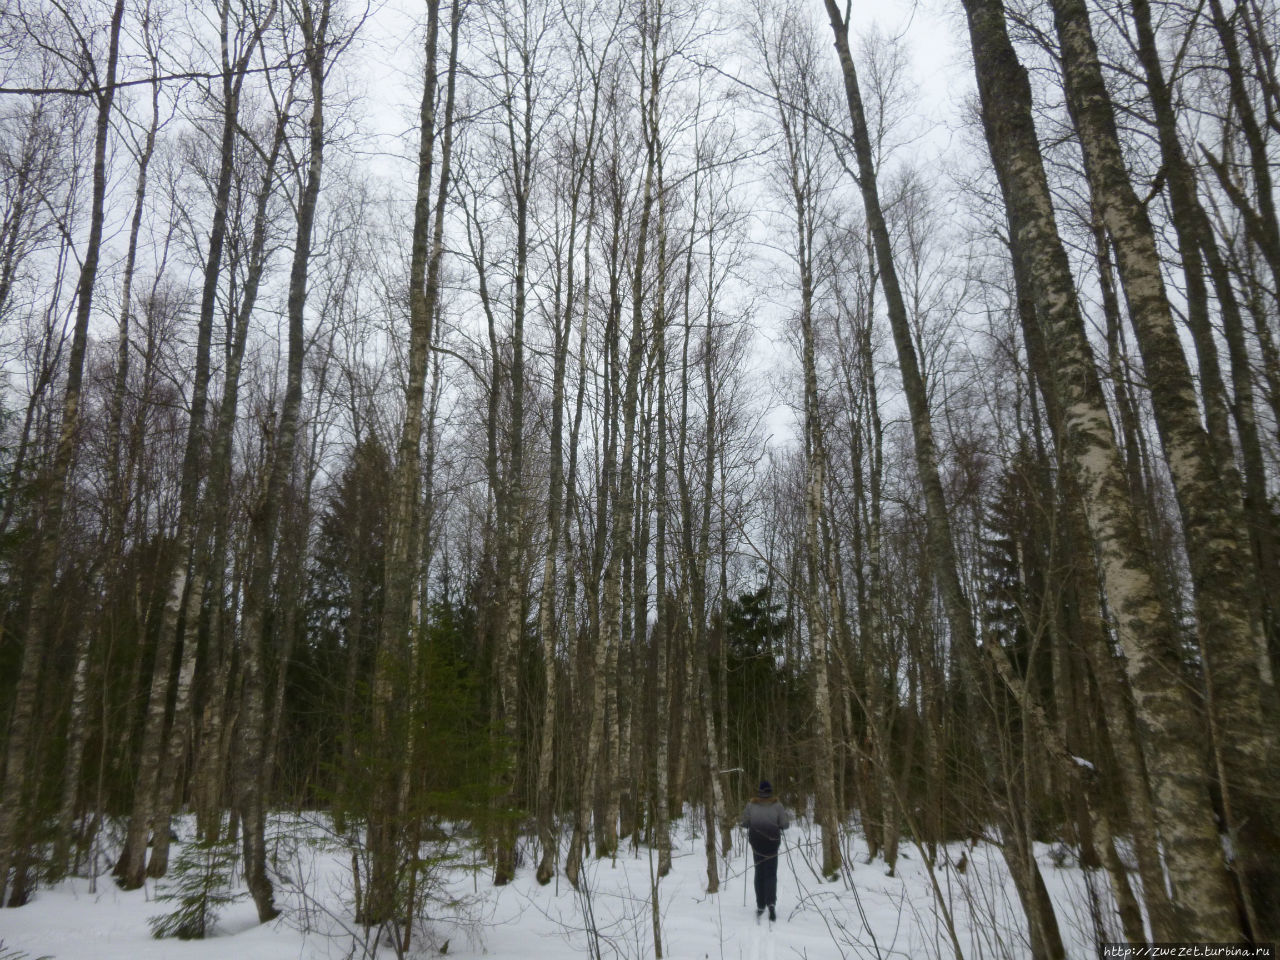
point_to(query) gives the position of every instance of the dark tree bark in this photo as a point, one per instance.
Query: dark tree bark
(397, 623)
(40, 613)
(264, 521)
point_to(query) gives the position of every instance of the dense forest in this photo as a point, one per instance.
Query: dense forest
(664, 406)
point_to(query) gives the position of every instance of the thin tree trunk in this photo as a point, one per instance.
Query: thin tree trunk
(662, 625)
(624, 495)
(1260, 222)
(40, 616)
(118, 501)
(881, 690)
(509, 494)
(424, 291)
(941, 541)
(131, 867)
(265, 518)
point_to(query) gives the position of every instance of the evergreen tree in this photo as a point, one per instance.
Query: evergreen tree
(765, 693)
(201, 888)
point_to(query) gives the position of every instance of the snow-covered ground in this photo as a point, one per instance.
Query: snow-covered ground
(874, 916)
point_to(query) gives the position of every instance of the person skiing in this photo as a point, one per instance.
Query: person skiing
(764, 819)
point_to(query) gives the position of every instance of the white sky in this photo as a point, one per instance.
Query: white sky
(386, 72)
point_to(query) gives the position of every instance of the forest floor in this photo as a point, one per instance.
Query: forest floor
(866, 915)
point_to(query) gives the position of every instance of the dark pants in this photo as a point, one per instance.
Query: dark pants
(766, 878)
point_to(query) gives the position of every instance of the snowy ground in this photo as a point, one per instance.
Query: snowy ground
(874, 916)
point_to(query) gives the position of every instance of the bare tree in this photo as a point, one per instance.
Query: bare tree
(131, 866)
(319, 46)
(404, 518)
(1179, 780)
(1208, 489)
(39, 617)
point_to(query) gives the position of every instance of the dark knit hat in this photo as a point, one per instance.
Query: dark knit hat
(766, 789)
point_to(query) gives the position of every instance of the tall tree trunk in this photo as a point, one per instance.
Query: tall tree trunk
(942, 552)
(1238, 681)
(40, 615)
(511, 502)
(661, 802)
(1180, 782)
(424, 291)
(595, 659)
(118, 495)
(264, 520)
(695, 526)
(212, 532)
(213, 503)
(547, 627)
(1113, 689)
(624, 495)
(1196, 238)
(130, 868)
(878, 674)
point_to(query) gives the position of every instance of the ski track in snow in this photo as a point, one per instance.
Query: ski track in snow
(881, 916)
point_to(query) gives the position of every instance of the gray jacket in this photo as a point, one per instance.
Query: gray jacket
(764, 821)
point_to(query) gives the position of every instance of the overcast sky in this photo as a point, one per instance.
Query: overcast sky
(387, 72)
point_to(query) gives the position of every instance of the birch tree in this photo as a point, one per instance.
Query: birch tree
(1208, 489)
(100, 77)
(240, 31)
(1179, 779)
(433, 179)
